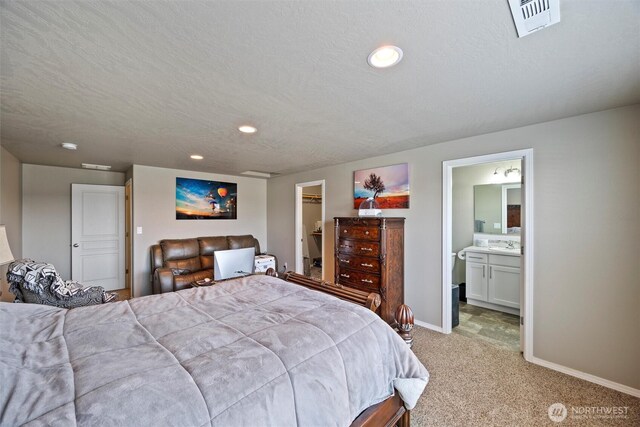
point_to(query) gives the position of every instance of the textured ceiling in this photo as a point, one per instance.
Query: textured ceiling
(151, 82)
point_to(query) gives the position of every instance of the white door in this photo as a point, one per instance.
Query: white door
(97, 235)
(523, 246)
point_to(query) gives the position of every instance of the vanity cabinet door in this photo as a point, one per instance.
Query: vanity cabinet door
(476, 280)
(504, 286)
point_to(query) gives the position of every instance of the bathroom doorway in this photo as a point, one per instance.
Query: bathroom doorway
(310, 208)
(487, 224)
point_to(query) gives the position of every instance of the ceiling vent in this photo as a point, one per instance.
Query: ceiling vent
(533, 15)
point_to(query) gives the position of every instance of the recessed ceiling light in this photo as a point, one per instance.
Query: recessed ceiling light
(69, 146)
(247, 129)
(385, 56)
(196, 157)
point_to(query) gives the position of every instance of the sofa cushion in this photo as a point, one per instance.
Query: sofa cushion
(246, 241)
(179, 249)
(208, 245)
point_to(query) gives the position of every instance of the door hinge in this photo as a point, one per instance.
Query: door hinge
(521, 250)
(522, 320)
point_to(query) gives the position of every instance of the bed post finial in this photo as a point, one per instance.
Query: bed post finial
(271, 272)
(404, 322)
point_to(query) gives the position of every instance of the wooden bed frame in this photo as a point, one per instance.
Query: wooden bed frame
(390, 412)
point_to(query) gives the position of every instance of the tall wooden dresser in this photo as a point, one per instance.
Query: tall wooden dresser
(369, 255)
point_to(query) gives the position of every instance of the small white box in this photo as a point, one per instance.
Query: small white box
(264, 262)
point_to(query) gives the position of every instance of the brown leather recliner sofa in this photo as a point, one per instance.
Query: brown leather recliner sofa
(177, 263)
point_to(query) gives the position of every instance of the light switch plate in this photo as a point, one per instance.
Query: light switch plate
(138, 230)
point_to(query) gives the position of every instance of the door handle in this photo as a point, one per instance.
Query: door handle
(490, 272)
(75, 245)
(484, 271)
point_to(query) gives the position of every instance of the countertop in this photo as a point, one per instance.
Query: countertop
(493, 250)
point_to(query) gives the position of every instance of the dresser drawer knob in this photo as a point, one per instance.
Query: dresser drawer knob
(366, 249)
(346, 276)
(344, 231)
(366, 232)
(366, 281)
(367, 265)
(345, 261)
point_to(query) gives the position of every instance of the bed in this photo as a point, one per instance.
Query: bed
(252, 351)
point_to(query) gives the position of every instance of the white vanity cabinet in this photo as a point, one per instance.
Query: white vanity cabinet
(493, 281)
(477, 280)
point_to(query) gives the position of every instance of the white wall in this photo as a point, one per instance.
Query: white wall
(154, 209)
(46, 211)
(10, 211)
(587, 199)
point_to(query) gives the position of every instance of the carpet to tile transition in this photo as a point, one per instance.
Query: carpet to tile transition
(473, 383)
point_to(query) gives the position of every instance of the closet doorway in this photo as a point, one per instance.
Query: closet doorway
(310, 233)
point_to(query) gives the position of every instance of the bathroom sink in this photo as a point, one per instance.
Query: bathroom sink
(502, 248)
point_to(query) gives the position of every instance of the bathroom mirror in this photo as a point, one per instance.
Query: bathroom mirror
(496, 208)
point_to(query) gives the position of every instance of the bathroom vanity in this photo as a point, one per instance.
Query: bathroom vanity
(493, 278)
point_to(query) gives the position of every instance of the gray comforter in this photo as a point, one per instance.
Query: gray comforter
(252, 351)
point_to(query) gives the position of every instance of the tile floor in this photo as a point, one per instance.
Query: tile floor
(497, 328)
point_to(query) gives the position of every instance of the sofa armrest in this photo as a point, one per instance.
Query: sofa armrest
(162, 280)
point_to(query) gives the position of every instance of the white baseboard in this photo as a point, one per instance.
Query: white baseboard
(428, 326)
(584, 376)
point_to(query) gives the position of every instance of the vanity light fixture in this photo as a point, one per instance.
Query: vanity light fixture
(507, 173)
(247, 129)
(69, 146)
(385, 56)
(196, 157)
(510, 171)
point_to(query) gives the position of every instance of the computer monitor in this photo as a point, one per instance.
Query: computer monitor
(233, 263)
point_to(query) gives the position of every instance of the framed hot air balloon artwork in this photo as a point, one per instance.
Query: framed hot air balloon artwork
(201, 199)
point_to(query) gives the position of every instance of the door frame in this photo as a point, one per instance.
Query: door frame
(299, 266)
(128, 238)
(526, 238)
(122, 274)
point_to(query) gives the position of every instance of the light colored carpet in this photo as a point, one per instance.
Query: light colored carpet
(474, 383)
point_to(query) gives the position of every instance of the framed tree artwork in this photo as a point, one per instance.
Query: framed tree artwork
(201, 199)
(388, 185)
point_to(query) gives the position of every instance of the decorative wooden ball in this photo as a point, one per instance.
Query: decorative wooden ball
(405, 322)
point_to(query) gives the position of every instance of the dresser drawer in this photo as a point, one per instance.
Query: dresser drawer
(371, 265)
(358, 232)
(359, 278)
(359, 222)
(355, 247)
